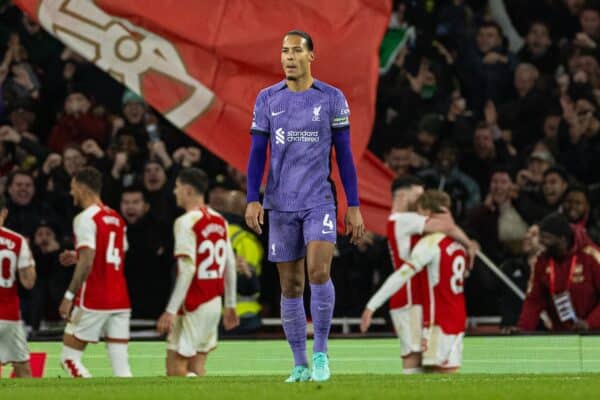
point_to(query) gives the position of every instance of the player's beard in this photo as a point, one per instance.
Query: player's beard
(291, 78)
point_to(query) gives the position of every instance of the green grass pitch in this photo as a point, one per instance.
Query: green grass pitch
(552, 367)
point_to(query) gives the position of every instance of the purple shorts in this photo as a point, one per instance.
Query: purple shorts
(290, 232)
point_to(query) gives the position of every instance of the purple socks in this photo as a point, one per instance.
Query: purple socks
(293, 318)
(322, 301)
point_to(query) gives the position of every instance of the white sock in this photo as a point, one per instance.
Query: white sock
(412, 371)
(70, 360)
(191, 375)
(119, 359)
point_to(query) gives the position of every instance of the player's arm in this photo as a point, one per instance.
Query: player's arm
(85, 260)
(422, 254)
(84, 229)
(185, 252)
(230, 318)
(185, 273)
(26, 267)
(408, 224)
(256, 163)
(27, 276)
(444, 223)
(340, 128)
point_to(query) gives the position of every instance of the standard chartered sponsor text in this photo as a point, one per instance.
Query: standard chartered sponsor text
(303, 136)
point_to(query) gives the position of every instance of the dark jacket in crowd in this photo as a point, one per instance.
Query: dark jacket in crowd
(149, 266)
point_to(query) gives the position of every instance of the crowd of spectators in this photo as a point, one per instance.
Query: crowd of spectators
(496, 102)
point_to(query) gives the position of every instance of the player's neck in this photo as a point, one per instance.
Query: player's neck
(90, 201)
(301, 84)
(399, 207)
(194, 204)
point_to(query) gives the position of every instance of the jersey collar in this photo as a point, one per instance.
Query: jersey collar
(283, 85)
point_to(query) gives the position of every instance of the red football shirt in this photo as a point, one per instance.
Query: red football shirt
(446, 262)
(14, 255)
(102, 229)
(403, 232)
(202, 236)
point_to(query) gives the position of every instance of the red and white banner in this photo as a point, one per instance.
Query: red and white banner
(202, 62)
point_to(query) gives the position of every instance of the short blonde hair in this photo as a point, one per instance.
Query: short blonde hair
(434, 200)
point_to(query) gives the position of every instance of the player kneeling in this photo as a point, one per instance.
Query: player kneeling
(444, 320)
(16, 260)
(205, 270)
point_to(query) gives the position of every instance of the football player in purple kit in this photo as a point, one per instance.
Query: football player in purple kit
(302, 119)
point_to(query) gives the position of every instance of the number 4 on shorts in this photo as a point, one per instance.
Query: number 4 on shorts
(327, 223)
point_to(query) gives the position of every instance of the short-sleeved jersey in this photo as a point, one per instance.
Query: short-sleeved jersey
(403, 232)
(300, 126)
(202, 236)
(102, 229)
(445, 261)
(14, 255)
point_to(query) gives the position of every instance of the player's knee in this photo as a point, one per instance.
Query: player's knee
(318, 274)
(292, 289)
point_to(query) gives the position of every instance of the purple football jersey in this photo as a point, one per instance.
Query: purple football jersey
(300, 126)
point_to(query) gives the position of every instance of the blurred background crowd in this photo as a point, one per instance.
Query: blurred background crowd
(496, 102)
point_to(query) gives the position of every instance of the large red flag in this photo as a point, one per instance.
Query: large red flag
(202, 62)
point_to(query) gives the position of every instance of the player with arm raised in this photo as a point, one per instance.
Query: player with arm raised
(302, 119)
(16, 262)
(445, 261)
(405, 227)
(98, 288)
(205, 270)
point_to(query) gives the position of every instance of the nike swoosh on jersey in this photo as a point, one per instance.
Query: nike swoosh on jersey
(274, 114)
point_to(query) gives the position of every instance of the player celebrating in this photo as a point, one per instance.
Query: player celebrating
(301, 118)
(404, 229)
(98, 286)
(15, 257)
(205, 269)
(446, 262)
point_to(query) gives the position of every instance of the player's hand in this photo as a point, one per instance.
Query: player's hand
(365, 320)
(68, 258)
(472, 252)
(255, 216)
(441, 222)
(65, 308)
(230, 319)
(355, 226)
(165, 323)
